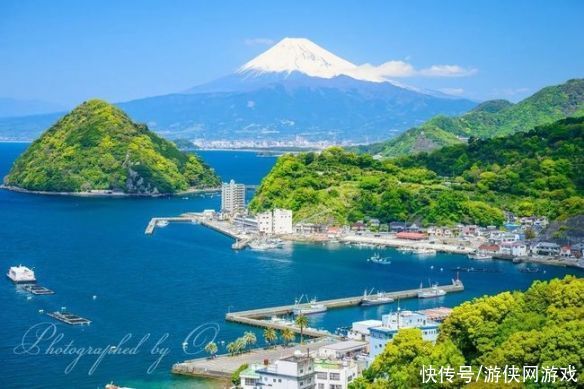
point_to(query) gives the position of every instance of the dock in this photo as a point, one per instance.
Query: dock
(37, 289)
(69, 318)
(256, 317)
(181, 219)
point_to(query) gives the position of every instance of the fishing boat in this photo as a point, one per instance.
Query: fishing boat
(433, 292)
(266, 244)
(310, 308)
(376, 258)
(378, 298)
(405, 250)
(424, 251)
(480, 256)
(21, 275)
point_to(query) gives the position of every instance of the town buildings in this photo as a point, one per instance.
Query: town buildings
(275, 222)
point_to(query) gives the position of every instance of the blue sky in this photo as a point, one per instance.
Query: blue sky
(68, 51)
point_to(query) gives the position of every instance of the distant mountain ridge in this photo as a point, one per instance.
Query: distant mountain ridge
(488, 119)
(294, 89)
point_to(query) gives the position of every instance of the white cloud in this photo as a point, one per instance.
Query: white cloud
(452, 91)
(402, 69)
(447, 71)
(258, 42)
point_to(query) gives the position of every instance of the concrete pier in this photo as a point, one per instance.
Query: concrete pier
(255, 317)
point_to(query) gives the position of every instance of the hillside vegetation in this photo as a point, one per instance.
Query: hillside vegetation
(529, 173)
(97, 147)
(489, 119)
(543, 327)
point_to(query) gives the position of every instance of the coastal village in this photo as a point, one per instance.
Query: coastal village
(326, 360)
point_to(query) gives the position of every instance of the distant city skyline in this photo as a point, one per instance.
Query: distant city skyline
(65, 52)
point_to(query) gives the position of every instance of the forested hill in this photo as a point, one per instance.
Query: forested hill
(533, 173)
(489, 119)
(97, 147)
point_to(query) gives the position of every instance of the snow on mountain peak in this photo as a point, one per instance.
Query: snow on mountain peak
(301, 55)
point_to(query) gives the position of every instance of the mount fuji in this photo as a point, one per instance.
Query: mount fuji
(294, 89)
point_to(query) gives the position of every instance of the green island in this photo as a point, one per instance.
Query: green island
(543, 326)
(489, 119)
(528, 173)
(97, 148)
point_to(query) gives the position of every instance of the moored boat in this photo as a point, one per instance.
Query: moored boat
(21, 275)
(162, 223)
(433, 292)
(480, 256)
(379, 298)
(310, 308)
(376, 258)
(424, 251)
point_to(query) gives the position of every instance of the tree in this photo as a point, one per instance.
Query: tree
(235, 380)
(249, 339)
(270, 336)
(232, 348)
(302, 322)
(287, 335)
(211, 348)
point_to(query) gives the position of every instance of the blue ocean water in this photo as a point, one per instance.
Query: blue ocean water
(162, 287)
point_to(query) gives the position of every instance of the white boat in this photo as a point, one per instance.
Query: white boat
(480, 256)
(162, 223)
(309, 308)
(375, 299)
(265, 244)
(405, 250)
(424, 252)
(21, 275)
(376, 258)
(433, 292)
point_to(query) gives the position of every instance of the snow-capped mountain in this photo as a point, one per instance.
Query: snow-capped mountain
(295, 88)
(298, 55)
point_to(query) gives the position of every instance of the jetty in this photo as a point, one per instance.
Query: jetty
(257, 317)
(69, 318)
(155, 220)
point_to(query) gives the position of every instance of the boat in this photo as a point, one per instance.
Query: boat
(161, 223)
(376, 258)
(310, 308)
(480, 256)
(21, 275)
(405, 249)
(424, 252)
(433, 292)
(379, 298)
(266, 244)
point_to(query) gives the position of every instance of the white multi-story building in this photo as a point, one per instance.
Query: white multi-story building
(334, 374)
(360, 330)
(232, 197)
(265, 222)
(393, 322)
(295, 372)
(278, 222)
(282, 221)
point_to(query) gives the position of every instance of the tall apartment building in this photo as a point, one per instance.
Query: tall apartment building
(232, 197)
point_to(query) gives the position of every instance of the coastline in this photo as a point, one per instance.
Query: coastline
(109, 193)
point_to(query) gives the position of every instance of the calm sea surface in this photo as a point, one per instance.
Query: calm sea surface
(160, 288)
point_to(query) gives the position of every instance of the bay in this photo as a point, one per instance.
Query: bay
(184, 276)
